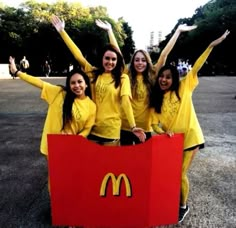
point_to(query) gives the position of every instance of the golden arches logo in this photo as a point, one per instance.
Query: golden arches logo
(116, 182)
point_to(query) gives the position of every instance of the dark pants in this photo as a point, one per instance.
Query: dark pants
(129, 138)
(103, 141)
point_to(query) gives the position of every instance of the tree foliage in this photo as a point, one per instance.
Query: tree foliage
(212, 19)
(129, 47)
(27, 30)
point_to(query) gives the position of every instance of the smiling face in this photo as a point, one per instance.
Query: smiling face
(140, 62)
(78, 85)
(109, 61)
(165, 80)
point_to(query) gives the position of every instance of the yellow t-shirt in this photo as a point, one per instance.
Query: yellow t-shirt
(83, 114)
(108, 102)
(83, 111)
(140, 105)
(179, 116)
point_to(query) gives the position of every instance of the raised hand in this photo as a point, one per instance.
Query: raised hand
(103, 24)
(58, 23)
(186, 28)
(220, 39)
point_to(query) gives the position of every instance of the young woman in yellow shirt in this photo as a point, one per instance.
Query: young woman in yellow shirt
(70, 108)
(173, 112)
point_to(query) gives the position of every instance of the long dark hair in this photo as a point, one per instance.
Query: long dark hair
(117, 71)
(157, 95)
(147, 74)
(70, 96)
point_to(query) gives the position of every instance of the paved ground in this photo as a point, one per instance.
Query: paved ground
(24, 201)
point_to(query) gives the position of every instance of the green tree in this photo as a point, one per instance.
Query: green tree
(129, 47)
(27, 30)
(212, 19)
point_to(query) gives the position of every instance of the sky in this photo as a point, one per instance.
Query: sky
(143, 16)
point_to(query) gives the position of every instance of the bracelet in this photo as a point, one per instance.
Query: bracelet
(133, 128)
(15, 74)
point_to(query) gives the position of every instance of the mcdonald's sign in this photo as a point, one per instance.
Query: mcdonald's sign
(119, 187)
(116, 182)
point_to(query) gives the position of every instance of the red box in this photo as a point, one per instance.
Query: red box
(123, 186)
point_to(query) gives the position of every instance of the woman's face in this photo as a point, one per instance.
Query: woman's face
(165, 80)
(140, 62)
(109, 61)
(78, 85)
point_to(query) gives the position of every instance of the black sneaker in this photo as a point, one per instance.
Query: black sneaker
(182, 213)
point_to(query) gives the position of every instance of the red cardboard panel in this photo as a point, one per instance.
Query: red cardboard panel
(123, 186)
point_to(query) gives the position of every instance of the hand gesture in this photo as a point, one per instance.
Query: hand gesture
(58, 23)
(170, 133)
(139, 133)
(220, 39)
(12, 65)
(103, 24)
(186, 28)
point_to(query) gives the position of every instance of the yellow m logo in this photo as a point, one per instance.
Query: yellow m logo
(116, 182)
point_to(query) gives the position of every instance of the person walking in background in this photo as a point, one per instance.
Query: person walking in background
(24, 64)
(111, 90)
(71, 67)
(142, 74)
(46, 68)
(13, 75)
(173, 112)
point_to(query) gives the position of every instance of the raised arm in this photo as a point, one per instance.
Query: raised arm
(202, 59)
(60, 27)
(165, 52)
(30, 79)
(107, 27)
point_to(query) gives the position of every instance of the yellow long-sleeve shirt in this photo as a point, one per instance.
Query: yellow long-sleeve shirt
(179, 116)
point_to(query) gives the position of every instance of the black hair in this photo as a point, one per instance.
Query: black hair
(157, 95)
